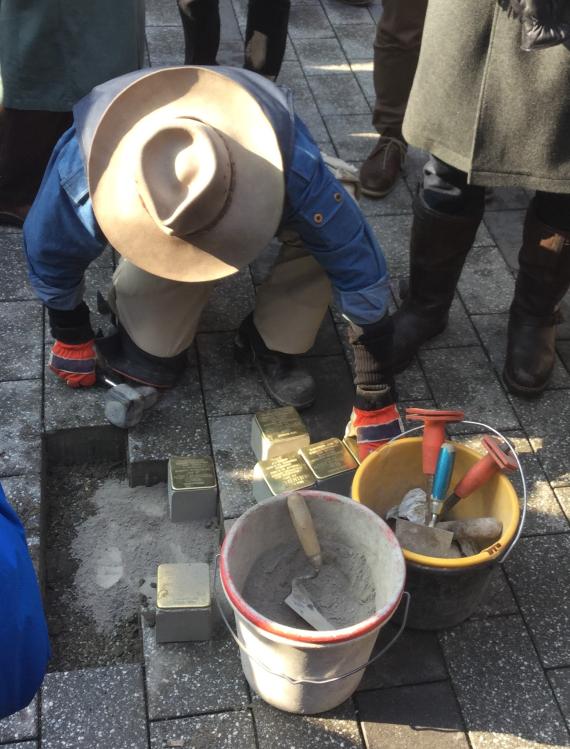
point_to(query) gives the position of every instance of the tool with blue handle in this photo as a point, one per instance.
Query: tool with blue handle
(441, 479)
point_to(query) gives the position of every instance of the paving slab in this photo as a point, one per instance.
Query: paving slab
(463, 378)
(493, 332)
(234, 459)
(221, 731)
(22, 745)
(506, 199)
(505, 227)
(94, 708)
(21, 725)
(363, 71)
(426, 717)
(560, 680)
(393, 234)
(340, 12)
(502, 690)
(563, 349)
(165, 45)
(309, 22)
(352, 136)
(162, 13)
(14, 284)
(338, 93)
(231, 53)
(546, 420)
(185, 679)
(357, 40)
(486, 283)
(20, 427)
(336, 729)
(230, 27)
(563, 496)
(328, 416)
(21, 340)
(231, 300)
(176, 425)
(498, 599)
(319, 56)
(327, 342)
(536, 570)
(25, 495)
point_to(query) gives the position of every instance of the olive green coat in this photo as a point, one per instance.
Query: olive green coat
(483, 106)
(52, 52)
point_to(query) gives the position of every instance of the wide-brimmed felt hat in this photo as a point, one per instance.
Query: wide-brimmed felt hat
(186, 174)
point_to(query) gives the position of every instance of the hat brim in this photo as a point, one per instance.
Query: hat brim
(256, 203)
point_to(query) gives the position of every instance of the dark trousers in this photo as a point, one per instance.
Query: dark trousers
(265, 37)
(445, 189)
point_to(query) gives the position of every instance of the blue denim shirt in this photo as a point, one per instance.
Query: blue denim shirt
(61, 234)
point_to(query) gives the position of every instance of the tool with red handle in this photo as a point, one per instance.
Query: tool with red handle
(434, 436)
(498, 458)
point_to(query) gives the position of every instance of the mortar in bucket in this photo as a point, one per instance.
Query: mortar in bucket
(301, 670)
(444, 591)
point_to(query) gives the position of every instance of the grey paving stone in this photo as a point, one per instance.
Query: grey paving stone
(545, 420)
(563, 330)
(463, 378)
(25, 495)
(23, 745)
(506, 229)
(353, 137)
(320, 56)
(363, 72)
(426, 717)
(165, 45)
(336, 729)
(563, 348)
(21, 340)
(231, 438)
(399, 201)
(459, 331)
(415, 162)
(185, 679)
(502, 690)
(506, 199)
(176, 425)
(563, 495)
(493, 332)
(415, 658)
(94, 708)
(536, 569)
(229, 388)
(328, 416)
(393, 234)
(560, 681)
(308, 22)
(21, 725)
(230, 301)
(498, 598)
(162, 13)
(486, 284)
(357, 40)
(222, 731)
(20, 427)
(327, 342)
(14, 284)
(231, 53)
(230, 26)
(338, 93)
(342, 13)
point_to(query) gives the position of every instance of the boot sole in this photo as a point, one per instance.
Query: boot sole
(516, 389)
(245, 356)
(377, 193)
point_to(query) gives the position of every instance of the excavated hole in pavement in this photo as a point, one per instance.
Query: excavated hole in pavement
(104, 541)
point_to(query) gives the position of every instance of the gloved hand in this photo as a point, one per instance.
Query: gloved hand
(372, 422)
(74, 363)
(542, 22)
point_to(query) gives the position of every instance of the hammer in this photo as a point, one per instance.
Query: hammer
(125, 404)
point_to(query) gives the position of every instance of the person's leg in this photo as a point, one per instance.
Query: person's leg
(447, 213)
(543, 280)
(201, 25)
(28, 138)
(266, 36)
(289, 309)
(396, 51)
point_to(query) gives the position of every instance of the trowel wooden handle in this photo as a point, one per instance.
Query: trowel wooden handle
(303, 524)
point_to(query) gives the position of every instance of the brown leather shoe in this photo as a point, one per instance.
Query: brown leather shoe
(380, 172)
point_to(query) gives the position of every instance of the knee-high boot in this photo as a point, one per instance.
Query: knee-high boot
(542, 282)
(439, 244)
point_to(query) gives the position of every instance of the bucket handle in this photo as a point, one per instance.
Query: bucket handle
(310, 681)
(503, 559)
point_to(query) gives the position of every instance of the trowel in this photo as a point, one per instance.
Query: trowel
(299, 599)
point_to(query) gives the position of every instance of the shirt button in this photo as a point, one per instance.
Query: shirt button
(318, 218)
(337, 197)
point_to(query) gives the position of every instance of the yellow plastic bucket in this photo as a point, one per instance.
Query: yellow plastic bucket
(444, 591)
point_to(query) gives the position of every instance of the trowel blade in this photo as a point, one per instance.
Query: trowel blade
(300, 601)
(420, 539)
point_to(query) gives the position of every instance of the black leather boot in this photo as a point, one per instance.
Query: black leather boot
(542, 282)
(283, 377)
(439, 244)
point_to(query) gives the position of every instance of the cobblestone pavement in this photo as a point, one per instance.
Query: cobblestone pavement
(501, 679)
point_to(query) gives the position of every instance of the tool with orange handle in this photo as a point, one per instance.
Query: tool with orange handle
(498, 458)
(434, 436)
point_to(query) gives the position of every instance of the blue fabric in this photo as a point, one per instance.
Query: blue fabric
(61, 235)
(24, 646)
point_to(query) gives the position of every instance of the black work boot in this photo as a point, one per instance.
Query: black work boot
(439, 244)
(542, 282)
(284, 378)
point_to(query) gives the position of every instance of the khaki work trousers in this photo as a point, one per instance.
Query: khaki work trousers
(396, 51)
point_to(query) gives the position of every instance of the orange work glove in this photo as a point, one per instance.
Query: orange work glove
(74, 363)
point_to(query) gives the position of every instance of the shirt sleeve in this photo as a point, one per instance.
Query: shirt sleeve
(24, 646)
(336, 233)
(61, 235)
